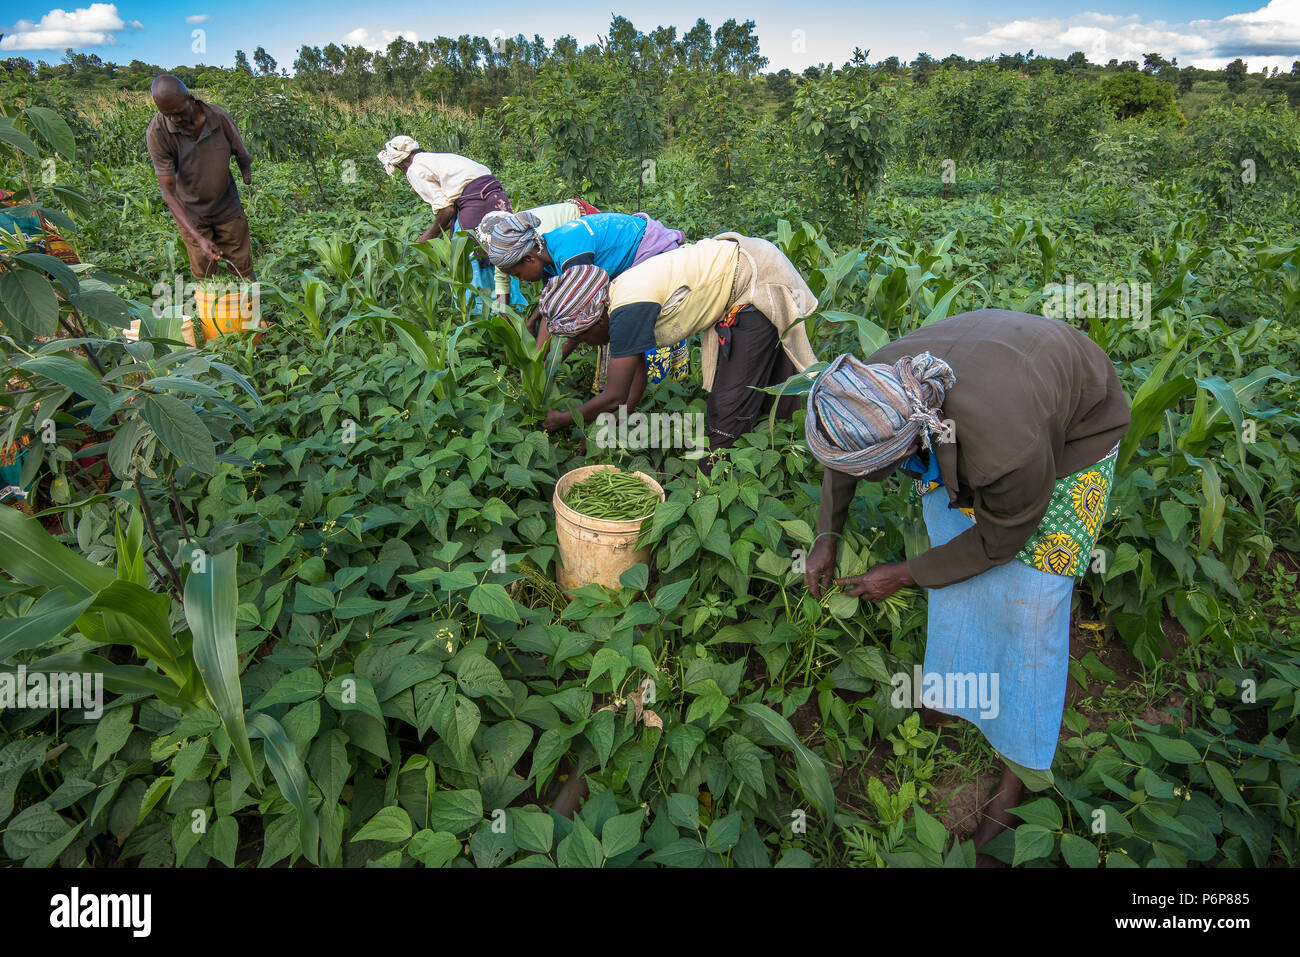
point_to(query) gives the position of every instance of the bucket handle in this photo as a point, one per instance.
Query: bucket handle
(227, 259)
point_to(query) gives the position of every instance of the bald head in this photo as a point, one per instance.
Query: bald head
(169, 93)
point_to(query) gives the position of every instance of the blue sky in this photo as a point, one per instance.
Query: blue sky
(795, 35)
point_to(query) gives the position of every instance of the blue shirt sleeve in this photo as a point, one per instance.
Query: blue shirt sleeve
(632, 329)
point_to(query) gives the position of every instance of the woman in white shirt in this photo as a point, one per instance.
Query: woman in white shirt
(457, 189)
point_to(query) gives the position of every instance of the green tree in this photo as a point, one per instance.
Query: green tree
(780, 85)
(565, 49)
(562, 117)
(1137, 94)
(624, 41)
(665, 49)
(923, 68)
(735, 49)
(855, 133)
(18, 66)
(697, 46)
(1235, 74)
(1237, 153)
(265, 63)
(1153, 63)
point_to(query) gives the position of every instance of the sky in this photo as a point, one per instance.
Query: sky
(1204, 33)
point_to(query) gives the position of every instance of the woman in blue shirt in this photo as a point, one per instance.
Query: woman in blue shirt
(614, 242)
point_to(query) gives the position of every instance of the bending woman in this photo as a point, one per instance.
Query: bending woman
(1010, 424)
(615, 242)
(742, 293)
(458, 190)
(547, 218)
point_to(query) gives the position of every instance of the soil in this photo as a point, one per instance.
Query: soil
(566, 790)
(806, 720)
(1252, 724)
(1112, 653)
(957, 804)
(954, 798)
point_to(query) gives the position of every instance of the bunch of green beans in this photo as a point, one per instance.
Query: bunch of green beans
(612, 495)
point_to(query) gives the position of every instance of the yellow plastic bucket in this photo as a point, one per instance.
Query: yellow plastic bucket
(595, 550)
(225, 314)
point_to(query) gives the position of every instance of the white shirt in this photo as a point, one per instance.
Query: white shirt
(440, 178)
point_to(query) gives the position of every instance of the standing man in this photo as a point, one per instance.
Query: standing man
(191, 144)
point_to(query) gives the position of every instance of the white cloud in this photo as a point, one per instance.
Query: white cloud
(360, 37)
(198, 18)
(1269, 36)
(95, 25)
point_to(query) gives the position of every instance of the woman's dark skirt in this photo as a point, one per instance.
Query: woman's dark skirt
(480, 197)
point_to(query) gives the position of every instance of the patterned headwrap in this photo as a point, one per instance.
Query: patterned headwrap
(863, 417)
(490, 219)
(513, 236)
(574, 299)
(395, 151)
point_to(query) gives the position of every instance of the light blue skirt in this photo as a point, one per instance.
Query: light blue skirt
(485, 277)
(998, 648)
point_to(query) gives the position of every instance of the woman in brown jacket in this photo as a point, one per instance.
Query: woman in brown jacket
(1010, 424)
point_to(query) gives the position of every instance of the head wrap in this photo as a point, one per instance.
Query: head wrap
(490, 219)
(574, 299)
(862, 417)
(395, 151)
(513, 236)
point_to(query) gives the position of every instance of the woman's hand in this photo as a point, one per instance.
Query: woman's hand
(878, 582)
(820, 565)
(556, 420)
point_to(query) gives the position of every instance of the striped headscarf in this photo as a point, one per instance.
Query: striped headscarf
(396, 151)
(574, 299)
(513, 236)
(862, 417)
(485, 225)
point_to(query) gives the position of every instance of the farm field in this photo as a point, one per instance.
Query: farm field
(317, 572)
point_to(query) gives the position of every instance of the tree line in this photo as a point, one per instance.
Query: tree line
(478, 73)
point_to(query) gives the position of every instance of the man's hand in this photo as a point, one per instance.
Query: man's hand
(209, 249)
(556, 420)
(820, 565)
(427, 234)
(248, 175)
(878, 582)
